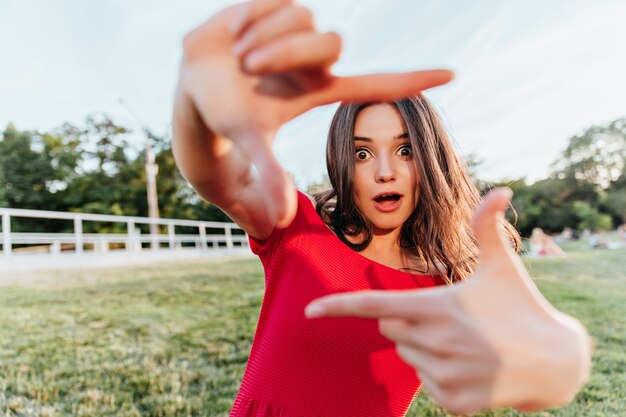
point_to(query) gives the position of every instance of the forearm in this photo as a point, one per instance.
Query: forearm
(212, 164)
(219, 170)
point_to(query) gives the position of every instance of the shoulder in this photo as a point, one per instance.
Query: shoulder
(306, 202)
(305, 213)
(311, 199)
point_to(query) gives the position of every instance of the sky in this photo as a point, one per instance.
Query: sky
(529, 74)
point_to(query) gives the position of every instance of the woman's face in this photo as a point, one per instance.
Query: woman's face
(385, 175)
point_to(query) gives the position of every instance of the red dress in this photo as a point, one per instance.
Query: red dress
(332, 367)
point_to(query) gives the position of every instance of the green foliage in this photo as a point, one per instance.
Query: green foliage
(94, 169)
(597, 156)
(91, 169)
(35, 169)
(615, 201)
(34, 166)
(587, 189)
(590, 218)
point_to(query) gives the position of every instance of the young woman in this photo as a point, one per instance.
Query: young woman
(397, 217)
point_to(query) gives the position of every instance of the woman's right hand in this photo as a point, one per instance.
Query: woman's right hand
(256, 65)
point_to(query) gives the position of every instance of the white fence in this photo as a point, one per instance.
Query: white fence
(201, 237)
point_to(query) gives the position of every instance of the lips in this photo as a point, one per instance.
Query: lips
(388, 198)
(387, 201)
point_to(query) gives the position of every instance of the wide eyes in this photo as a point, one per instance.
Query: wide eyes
(362, 154)
(404, 151)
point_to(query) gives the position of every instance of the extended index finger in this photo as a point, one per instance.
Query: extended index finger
(381, 87)
(413, 305)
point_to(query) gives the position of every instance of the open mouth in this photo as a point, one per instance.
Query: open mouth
(386, 199)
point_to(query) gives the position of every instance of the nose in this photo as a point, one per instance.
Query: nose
(384, 171)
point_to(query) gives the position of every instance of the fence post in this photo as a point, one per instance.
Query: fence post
(6, 234)
(229, 237)
(78, 233)
(55, 248)
(171, 234)
(130, 245)
(202, 228)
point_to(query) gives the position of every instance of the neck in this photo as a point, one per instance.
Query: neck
(385, 249)
(385, 241)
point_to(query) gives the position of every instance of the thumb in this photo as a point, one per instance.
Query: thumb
(381, 87)
(499, 264)
(488, 225)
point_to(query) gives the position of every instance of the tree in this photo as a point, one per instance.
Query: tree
(616, 200)
(34, 169)
(34, 166)
(91, 169)
(590, 218)
(597, 156)
(543, 204)
(110, 176)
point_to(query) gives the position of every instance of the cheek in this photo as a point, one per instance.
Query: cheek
(409, 173)
(358, 181)
(360, 189)
(414, 181)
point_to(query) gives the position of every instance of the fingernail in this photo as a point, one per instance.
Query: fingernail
(314, 310)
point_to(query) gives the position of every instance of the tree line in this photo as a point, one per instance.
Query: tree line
(586, 188)
(94, 168)
(91, 169)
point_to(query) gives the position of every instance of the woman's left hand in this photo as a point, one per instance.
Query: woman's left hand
(491, 341)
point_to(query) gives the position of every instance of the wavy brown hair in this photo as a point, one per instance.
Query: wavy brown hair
(440, 227)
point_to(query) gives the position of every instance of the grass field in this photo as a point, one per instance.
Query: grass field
(173, 339)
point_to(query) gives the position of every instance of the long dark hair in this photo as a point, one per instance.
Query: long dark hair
(439, 230)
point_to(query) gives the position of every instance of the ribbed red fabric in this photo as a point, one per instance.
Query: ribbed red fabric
(339, 367)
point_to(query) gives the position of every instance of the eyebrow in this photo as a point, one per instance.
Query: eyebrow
(404, 135)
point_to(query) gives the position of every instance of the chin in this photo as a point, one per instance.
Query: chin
(386, 226)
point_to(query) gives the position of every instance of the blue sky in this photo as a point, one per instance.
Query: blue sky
(530, 74)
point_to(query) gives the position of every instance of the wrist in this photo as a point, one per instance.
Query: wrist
(575, 360)
(562, 367)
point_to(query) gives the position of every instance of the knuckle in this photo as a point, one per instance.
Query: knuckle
(370, 304)
(384, 328)
(445, 376)
(414, 337)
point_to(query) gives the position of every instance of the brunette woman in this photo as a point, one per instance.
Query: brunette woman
(398, 216)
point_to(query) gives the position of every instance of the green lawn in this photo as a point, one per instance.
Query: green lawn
(172, 339)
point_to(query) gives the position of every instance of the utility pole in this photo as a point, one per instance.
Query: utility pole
(152, 169)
